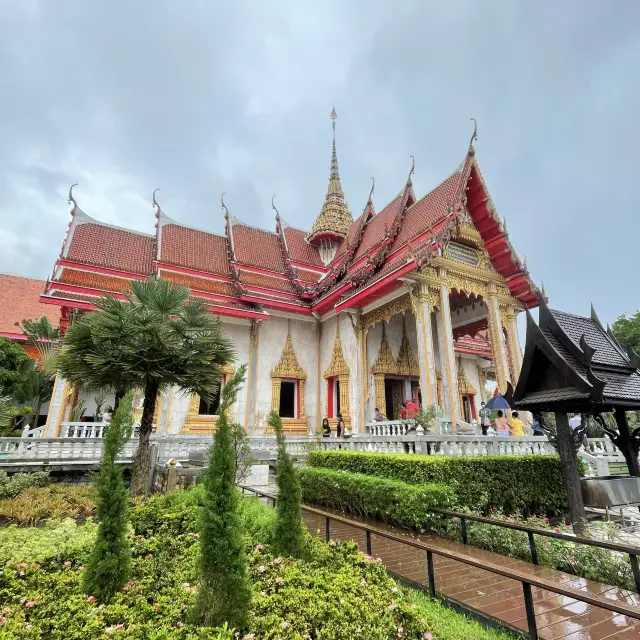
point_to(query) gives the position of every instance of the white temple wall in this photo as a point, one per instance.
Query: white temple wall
(272, 338)
(471, 370)
(374, 339)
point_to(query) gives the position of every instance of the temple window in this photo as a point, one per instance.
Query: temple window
(337, 377)
(287, 392)
(201, 416)
(210, 407)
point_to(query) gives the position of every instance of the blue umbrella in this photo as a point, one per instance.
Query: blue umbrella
(497, 402)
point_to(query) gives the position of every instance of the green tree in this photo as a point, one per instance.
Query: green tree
(242, 450)
(225, 590)
(6, 417)
(32, 391)
(155, 338)
(626, 329)
(45, 338)
(290, 530)
(12, 357)
(108, 568)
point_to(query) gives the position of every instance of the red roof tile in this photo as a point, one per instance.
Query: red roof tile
(266, 282)
(376, 228)
(104, 246)
(257, 248)
(308, 276)
(349, 240)
(199, 284)
(193, 249)
(300, 250)
(20, 300)
(427, 211)
(95, 281)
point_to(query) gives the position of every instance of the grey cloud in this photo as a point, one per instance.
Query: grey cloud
(199, 97)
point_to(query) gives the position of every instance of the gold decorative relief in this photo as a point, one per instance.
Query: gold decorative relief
(204, 424)
(387, 311)
(385, 363)
(288, 367)
(464, 386)
(407, 365)
(338, 365)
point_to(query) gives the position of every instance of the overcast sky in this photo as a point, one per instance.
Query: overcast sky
(200, 97)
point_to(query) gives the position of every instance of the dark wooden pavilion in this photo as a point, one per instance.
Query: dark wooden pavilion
(572, 364)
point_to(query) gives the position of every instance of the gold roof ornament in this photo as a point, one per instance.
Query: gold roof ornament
(335, 218)
(407, 365)
(338, 365)
(385, 362)
(464, 386)
(288, 367)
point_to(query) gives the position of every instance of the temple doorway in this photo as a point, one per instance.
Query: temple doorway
(287, 399)
(466, 409)
(393, 395)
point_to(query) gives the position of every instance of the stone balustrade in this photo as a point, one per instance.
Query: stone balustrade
(82, 429)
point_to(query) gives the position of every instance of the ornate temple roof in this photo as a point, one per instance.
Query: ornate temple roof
(335, 218)
(249, 269)
(571, 363)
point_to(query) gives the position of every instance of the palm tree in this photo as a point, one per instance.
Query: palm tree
(45, 338)
(157, 337)
(33, 390)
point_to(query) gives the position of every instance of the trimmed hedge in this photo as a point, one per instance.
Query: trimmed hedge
(524, 484)
(389, 500)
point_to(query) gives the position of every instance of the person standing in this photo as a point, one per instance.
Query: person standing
(537, 428)
(326, 428)
(340, 427)
(377, 416)
(502, 424)
(485, 418)
(517, 428)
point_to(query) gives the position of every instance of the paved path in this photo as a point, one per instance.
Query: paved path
(558, 617)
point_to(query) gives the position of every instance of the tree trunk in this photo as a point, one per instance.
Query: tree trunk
(141, 461)
(569, 461)
(626, 445)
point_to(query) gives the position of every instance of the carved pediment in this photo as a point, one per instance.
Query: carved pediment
(407, 365)
(288, 366)
(385, 363)
(338, 365)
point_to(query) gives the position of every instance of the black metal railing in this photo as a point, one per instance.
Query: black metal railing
(527, 581)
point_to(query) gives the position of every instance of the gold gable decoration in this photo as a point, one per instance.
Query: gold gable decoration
(385, 363)
(338, 365)
(289, 367)
(407, 365)
(465, 388)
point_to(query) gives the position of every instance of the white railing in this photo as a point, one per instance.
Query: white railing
(82, 429)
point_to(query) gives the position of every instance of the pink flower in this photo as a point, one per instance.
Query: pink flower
(67, 563)
(149, 556)
(158, 607)
(80, 568)
(261, 569)
(573, 560)
(428, 636)
(285, 625)
(259, 547)
(368, 559)
(28, 627)
(277, 561)
(363, 583)
(30, 604)
(6, 610)
(23, 565)
(179, 624)
(91, 599)
(119, 627)
(332, 543)
(2, 619)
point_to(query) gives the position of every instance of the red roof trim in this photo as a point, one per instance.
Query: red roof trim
(276, 304)
(19, 337)
(67, 302)
(271, 292)
(212, 296)
(307, 267)
(86, 291)
(79, 266)
(265, 272)
(237, 313)
(367, 291)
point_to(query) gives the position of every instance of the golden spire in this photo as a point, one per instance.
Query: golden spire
(335, 218)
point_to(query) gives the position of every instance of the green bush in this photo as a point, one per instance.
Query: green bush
(11, 487)
(525, 484)
(389, 500)
(110, 561)
(339, 594)
(290, 530)
(225, 591)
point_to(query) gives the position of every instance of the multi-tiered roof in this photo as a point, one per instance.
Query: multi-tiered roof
(248, 270)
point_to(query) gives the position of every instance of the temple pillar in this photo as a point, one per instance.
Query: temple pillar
(249, 416)
(424, 304)
(381, 401)
(497, 339)
(57, 404)
(447, 354)
(511, 325)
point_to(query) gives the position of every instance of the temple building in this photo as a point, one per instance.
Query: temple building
(415, 299)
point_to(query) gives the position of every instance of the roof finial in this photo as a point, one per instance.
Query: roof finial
(474, 135)
(413, 169)
(524, 264)
(373, 187)
(71, 198)
(273, 206)
(155, 202)
(504, 225)
(224, 206)
(334, 117)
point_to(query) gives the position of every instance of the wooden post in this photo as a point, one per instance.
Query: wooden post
(569, 461)
(626, 443)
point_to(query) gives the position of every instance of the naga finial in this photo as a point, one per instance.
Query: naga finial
(71, 198)
(373, 187)
(273, 206)
(474, 135)
(504, 225)
(413, 169)
(223, 206)
(154, 202)
(524, 264)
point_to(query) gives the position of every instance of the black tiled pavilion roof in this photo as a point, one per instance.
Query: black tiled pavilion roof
(572, 363)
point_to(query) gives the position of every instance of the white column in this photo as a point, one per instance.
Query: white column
(447, 356)
(497, 341)
(423, 308)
